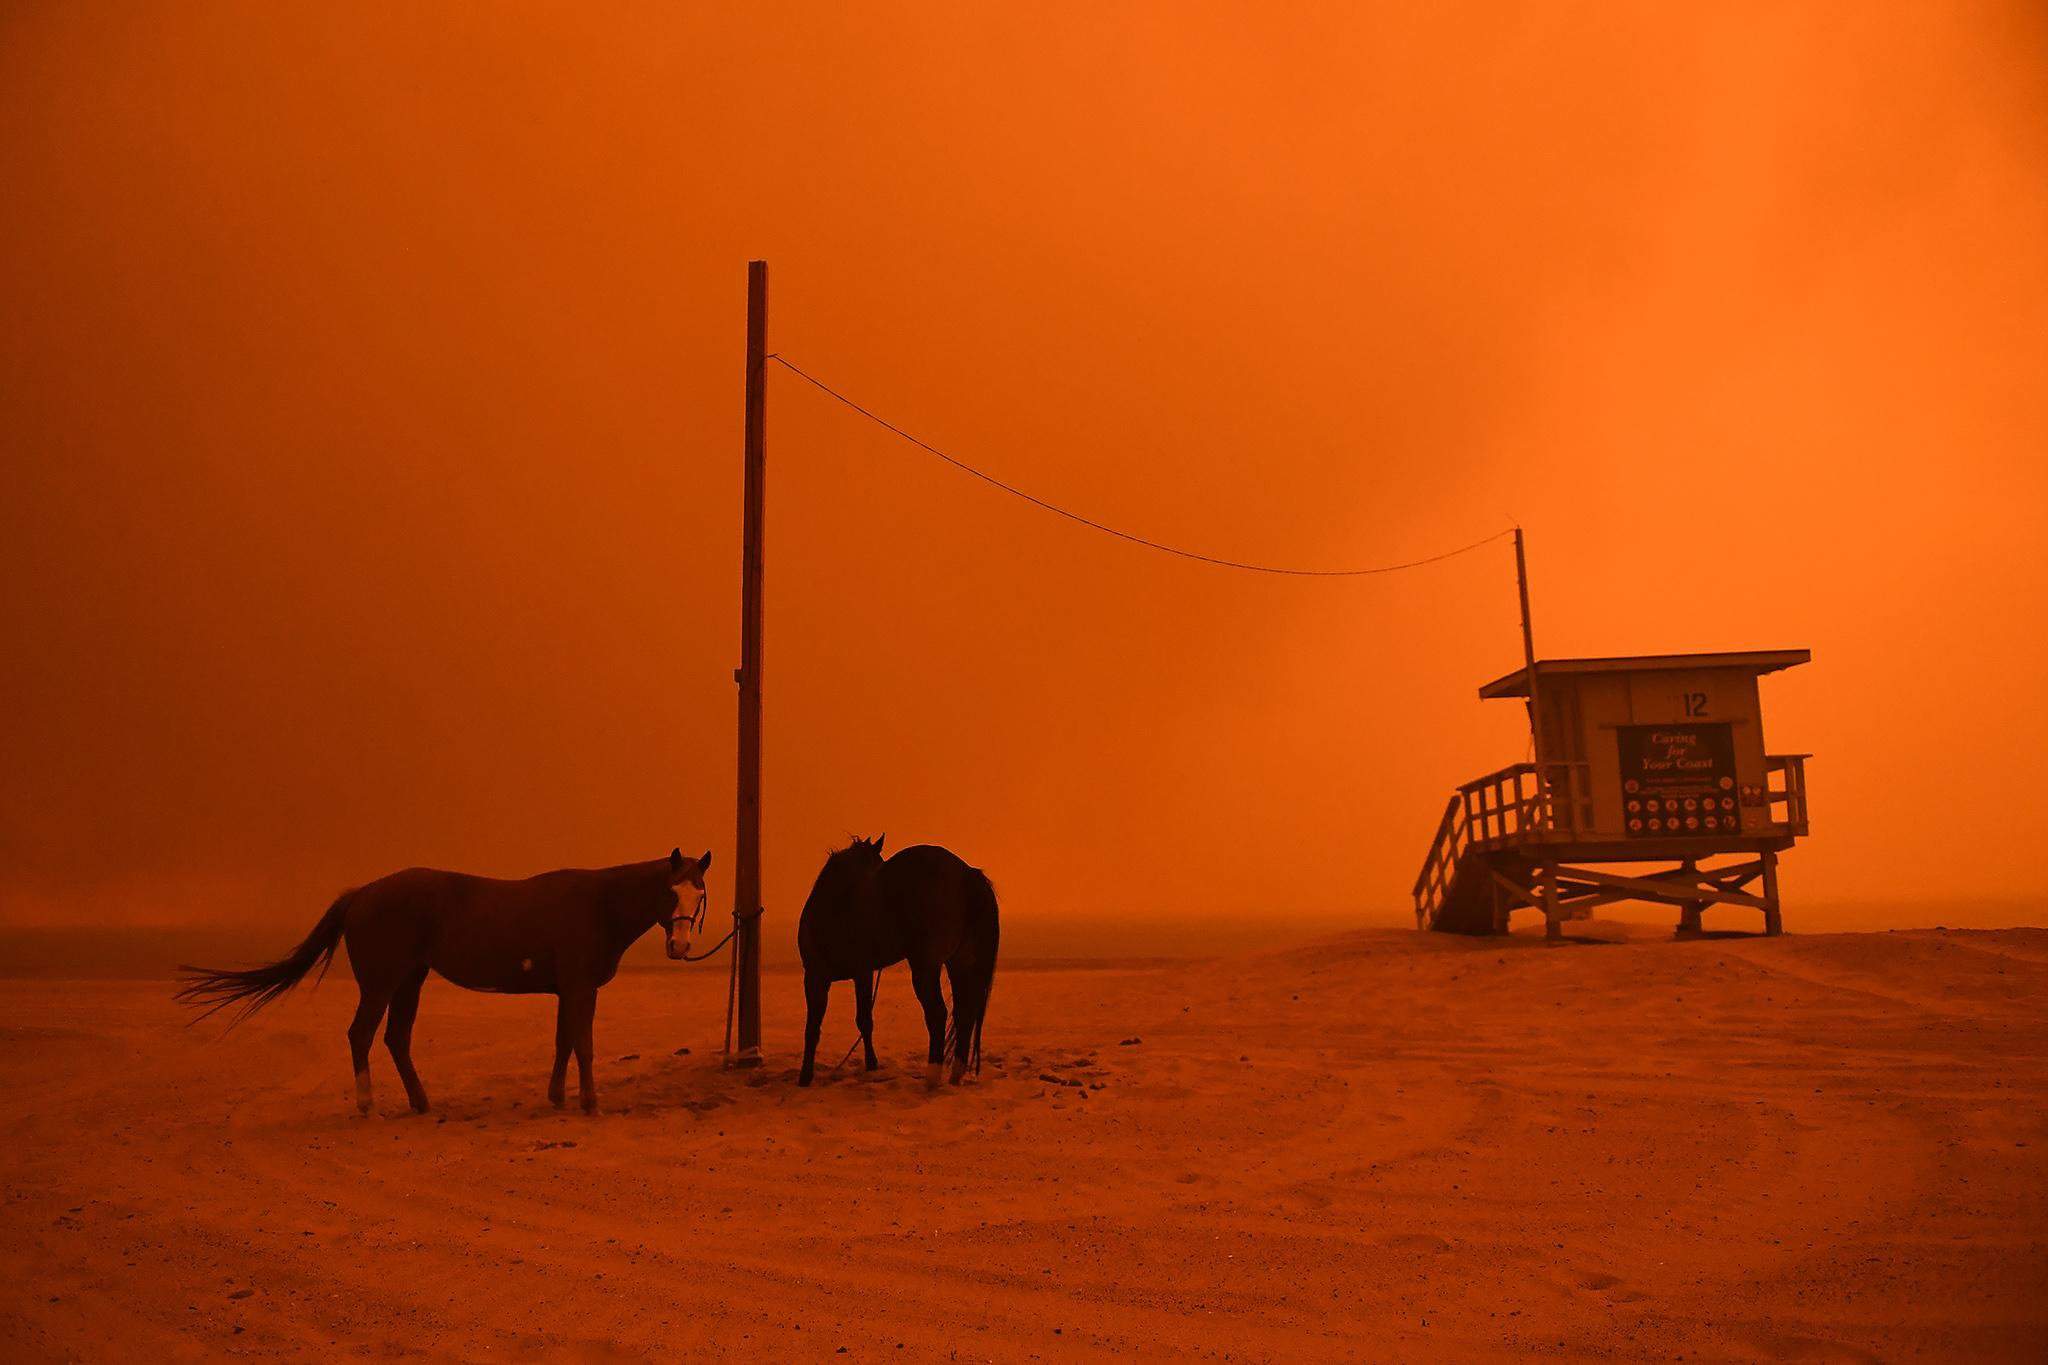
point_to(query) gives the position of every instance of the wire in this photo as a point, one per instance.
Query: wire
(1090, 522)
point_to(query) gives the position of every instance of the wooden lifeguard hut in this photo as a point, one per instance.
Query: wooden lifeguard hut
(1650, 759)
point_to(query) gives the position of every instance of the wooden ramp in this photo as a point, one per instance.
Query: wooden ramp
(1510, 841)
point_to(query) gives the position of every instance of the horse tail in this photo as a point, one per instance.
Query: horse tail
(990, 933)
(209, 989)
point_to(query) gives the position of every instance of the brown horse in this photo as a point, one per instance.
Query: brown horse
(561, 933)
(925, 907)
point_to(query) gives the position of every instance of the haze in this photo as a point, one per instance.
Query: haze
(370, 393)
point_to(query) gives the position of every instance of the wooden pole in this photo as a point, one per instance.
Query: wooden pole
(1529, 661)
(1774, 917)
(747, 872)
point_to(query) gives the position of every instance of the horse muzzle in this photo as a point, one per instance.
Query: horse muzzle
(691, 926)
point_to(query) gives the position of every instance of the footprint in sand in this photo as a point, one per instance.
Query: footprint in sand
(1602, 1283)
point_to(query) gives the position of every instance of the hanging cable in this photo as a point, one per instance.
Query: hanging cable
(1090, 522)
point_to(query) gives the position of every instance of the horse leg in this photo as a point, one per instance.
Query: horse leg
(864, 1014)
(967, 1005)
(362, 1031)
(565, 1043)
(586, 1018)
(925, 981)
(405, 1006)
(817, 991)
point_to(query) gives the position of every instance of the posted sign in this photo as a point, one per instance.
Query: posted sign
(1678, 780)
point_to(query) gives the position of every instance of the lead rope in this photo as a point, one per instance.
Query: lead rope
(874, 994)
(712, 951)
(732, 988)
(732, 979)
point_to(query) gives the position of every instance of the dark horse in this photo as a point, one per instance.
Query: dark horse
(923, 906)
(561, 933)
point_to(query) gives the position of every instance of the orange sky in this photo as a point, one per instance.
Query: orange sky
(371, 397)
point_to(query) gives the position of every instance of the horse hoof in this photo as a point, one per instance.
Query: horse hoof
(931, 1076)
(363, 1093)
(804, 1081)
(959, 1072)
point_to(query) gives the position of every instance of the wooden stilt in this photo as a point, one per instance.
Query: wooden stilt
(1774, 922)
(1689, 911)
(1553, 926)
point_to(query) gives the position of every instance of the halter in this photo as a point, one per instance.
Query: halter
(692, 923)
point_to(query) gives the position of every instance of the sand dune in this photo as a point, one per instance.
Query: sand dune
(1382, 1145)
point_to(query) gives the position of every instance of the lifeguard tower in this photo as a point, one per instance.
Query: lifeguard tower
(1650, 759)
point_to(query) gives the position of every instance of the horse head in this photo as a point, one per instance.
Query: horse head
(844, 870)
(683, 921)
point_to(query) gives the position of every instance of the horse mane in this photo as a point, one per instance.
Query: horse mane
(837, 861)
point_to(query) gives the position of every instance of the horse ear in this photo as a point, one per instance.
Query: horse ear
(704, 862)
(878, 842)
(675, 861)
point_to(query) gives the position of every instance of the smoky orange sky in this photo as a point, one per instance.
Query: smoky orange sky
(371, 379)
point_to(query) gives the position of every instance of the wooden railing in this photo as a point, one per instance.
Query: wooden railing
(1787, 791)
(1513, 806)
(1433, 883)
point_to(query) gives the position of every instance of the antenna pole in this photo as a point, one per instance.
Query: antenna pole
(1522, 587)
(1529, 662)
(747, 873)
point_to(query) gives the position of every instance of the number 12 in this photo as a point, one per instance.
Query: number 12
(1695, 704)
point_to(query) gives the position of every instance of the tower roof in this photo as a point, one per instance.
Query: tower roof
(1758, 661)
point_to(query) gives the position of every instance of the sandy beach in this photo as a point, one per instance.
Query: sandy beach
(1380, 1145)
(1159, 497)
